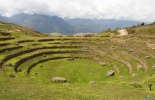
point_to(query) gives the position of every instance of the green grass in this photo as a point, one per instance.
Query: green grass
(27, 89)
(74, 71)
(78, 72)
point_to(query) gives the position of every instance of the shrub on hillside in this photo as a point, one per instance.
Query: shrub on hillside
(108, 33)
(131, 30)
(142, 24)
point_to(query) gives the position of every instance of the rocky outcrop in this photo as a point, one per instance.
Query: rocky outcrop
(92, 82)
(134, 74)
(110, 73)
(139, 67)
(59, 79)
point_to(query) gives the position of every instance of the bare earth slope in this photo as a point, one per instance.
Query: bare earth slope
(123, 32)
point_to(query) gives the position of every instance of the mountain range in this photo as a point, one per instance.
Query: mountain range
(55, 24)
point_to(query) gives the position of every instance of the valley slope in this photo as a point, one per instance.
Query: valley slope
(29, 60)
(55, 24)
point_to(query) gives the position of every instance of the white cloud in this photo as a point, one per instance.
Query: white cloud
(142, 10)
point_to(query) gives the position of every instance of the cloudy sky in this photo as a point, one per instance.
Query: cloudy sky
(140, 10)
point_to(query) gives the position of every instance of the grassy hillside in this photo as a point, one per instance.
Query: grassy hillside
(16, 30)
(29, 60)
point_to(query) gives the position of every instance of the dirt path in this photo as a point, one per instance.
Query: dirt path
(123, 32)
